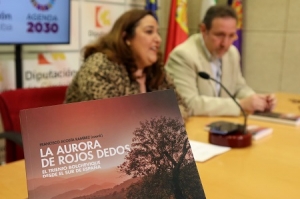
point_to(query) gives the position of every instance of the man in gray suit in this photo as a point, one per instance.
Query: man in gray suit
(212, 52)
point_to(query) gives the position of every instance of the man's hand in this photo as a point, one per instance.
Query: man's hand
(271, 102)
(258, 102)
(254, 102)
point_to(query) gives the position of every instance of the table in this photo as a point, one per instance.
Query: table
(13, 181)
(270, 168)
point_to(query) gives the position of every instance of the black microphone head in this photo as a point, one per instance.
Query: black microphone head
(204, 75)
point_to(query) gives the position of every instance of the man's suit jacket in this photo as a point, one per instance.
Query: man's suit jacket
(189, 58)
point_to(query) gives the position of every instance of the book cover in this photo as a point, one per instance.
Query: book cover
(259, 132)
(126, 147)
(284, 118)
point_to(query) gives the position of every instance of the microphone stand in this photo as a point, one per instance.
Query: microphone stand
(236, 139)
(242, 110)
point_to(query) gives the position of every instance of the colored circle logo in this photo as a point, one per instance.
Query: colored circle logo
(102, 17)
(43, 7)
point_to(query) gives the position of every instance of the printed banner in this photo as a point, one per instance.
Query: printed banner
(110, 1)
(137, 2)
(49, 69)
(7, 72)
(7, 48)
(97, 19)
(89, 20)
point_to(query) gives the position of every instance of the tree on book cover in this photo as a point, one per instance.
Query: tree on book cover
(126, 147)
(160, 150)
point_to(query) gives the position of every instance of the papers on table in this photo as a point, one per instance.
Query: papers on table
(204, 151)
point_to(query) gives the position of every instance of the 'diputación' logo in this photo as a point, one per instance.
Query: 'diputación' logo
(43, 7)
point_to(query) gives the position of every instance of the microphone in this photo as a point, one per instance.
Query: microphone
(206, 76)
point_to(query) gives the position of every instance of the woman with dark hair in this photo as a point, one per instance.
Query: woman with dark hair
(125, 61)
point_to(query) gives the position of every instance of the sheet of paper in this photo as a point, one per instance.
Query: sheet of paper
(204, 151)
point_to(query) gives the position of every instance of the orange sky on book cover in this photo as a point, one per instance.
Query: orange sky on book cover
(116, 121)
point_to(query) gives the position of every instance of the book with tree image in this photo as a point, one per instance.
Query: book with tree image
(126, 147)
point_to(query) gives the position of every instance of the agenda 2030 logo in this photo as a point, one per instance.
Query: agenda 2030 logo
(43, 6)
(42, 22)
